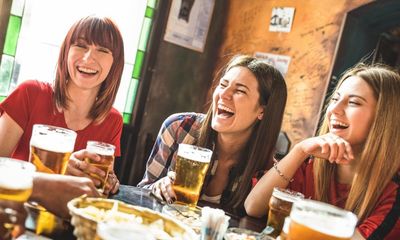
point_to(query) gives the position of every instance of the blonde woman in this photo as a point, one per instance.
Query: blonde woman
(355, 163)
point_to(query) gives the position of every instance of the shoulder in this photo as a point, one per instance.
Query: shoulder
(187, 118)
(113, 117)
(35, 85)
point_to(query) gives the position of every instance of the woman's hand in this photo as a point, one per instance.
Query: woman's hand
(112, 184)
(329, 146)
(162, 189)
(77, 166)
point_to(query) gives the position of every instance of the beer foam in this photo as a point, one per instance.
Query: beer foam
(100, 150)
(194, 153)
(12, 178)
(287, 195)
(52, 143)
(325, 218)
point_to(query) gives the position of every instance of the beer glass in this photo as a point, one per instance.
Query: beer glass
(280, 205)
(320, 221)
(16, 180)
(51, 148)
(190, 168)
(106, 152)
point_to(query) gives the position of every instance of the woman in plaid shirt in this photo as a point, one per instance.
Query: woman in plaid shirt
(241, 127)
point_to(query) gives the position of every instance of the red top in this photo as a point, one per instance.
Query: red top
(32, 103)
(382, 223)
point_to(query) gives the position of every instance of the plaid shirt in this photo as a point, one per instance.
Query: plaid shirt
(179, 128)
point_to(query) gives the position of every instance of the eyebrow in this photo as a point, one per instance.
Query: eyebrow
(353, 95)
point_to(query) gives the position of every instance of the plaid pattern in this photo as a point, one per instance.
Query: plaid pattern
(181, 128)
(177, 128)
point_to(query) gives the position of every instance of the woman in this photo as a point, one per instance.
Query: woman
(241, 127)
(355, 163)
(88, 75)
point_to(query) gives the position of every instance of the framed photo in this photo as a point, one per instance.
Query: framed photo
(281, 19)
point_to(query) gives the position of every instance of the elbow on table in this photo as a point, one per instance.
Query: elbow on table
(251, 209)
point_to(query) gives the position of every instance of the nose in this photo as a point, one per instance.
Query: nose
(88, 55)
(336, 107)
(226, 93)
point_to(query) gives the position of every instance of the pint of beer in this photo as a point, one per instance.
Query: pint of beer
(320, 221)
(16, 179)
(51, 148)
(106, 152)
(190, 167)
(280, 205)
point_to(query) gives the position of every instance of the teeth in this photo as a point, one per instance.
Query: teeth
(225, 108)
(86, 70)
(335, 122)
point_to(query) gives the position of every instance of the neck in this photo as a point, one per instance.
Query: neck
(230, 147)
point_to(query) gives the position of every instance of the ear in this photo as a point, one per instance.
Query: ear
(261, 114)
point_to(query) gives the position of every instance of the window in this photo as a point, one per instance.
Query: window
(37, 28)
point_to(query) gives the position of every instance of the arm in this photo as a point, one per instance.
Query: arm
(54, 191)
(327, 146)
(10, 134)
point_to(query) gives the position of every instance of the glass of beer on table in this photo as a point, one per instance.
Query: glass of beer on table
(280, 205)
(51, 148)
(191, 167)
(315, 220)
(106, 152)
(16, 181)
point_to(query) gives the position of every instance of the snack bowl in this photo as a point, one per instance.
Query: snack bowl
(88, 212)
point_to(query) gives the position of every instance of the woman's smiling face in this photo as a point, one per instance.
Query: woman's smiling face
(352, 110)
(236, 105)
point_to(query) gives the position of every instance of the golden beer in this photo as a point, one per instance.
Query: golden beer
(16, 179)
(51, 148)
(320, 221)
(191, 167)
(280, 205)
(106, 152)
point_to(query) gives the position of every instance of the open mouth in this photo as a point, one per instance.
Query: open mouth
(338, 125)
(88, 71)
(225, 112)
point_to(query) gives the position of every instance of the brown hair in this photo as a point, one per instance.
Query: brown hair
(378, 163)
(258, 153)
(101, 31)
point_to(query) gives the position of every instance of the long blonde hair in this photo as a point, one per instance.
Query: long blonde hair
(380, 159)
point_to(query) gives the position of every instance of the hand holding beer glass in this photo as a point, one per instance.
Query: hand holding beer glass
(191, 167)
(320, 221)
(16, 181)
(280, 205)
(106, 153)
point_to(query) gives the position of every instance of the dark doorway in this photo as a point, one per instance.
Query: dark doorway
(369, 33)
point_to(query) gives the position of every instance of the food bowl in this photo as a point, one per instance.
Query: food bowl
(190, 216)
(245, 234)
(88, 212)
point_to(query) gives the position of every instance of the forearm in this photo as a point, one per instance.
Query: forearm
(256, 203)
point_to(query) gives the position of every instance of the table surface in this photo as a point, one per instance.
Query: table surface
(141, 197)
(138, 196)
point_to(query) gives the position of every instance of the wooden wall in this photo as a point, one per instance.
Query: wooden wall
(311, 45)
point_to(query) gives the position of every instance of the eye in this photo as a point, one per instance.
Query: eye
(352, 102)
(241, 91)
(223, 85)
(334, 99)
(104, 50)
